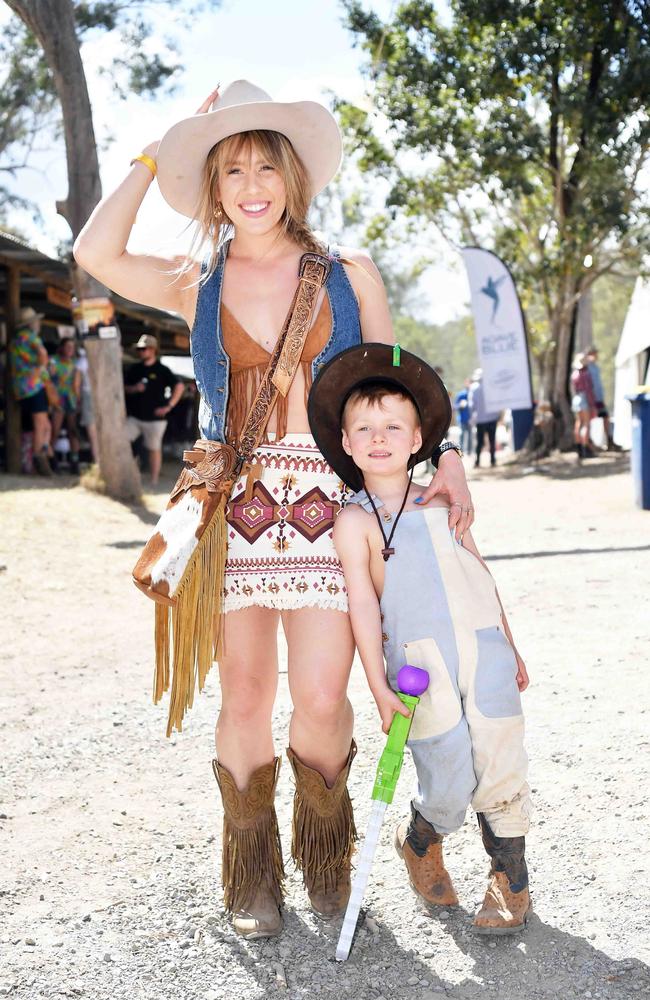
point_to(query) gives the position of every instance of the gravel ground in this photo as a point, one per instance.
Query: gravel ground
(110, 833)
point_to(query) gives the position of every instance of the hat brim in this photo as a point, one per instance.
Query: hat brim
(369, 363)
(310, 128)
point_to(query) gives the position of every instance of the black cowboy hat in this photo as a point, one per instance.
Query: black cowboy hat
(355, 367)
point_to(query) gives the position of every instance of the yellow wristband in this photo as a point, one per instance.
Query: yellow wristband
(148, 162)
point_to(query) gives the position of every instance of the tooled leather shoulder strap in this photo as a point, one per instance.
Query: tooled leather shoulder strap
(313, 273)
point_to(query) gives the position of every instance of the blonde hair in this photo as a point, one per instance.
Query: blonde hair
(213, 225)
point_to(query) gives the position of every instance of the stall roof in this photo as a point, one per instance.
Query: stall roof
(41, 277)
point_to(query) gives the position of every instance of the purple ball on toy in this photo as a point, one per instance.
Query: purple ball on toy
(412, 680)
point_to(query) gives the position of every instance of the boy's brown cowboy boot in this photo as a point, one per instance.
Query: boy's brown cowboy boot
(323, 835)
(252, 869)
(507, 904)
(419, 845)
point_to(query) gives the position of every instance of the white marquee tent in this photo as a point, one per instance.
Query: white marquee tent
(632, 368)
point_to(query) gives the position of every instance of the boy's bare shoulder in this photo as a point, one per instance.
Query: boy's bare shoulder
(350, 521)
(351, 514)
(352, 542)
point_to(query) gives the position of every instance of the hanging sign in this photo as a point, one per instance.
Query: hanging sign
(92, 315)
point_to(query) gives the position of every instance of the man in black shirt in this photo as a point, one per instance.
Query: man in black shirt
(152, 391)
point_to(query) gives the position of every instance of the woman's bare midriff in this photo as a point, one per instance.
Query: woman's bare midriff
(297, 422)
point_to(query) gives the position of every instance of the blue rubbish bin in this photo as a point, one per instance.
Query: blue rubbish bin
(640, 459)
(522, 423)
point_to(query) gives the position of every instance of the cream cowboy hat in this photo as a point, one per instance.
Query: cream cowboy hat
(28, 315)
(242, 107)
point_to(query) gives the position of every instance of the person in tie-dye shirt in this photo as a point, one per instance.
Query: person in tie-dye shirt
(28, 367)
(67, 381)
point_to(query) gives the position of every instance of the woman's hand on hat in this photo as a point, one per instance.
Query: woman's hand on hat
(207, 103)
(450, 482)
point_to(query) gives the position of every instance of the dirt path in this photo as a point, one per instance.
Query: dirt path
(110, 832)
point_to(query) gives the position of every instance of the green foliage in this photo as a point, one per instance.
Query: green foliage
(27, 94)
(611, 299)
(146, 64)
(531, 128)
(27, 101)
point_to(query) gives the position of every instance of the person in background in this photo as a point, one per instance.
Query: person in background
(463, 414)
(148, 402)
(599, 396)
(67, 381)
(583, 405)
(484, 420)
(87, 409)
(29, 371)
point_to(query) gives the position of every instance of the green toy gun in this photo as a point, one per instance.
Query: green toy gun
(412, 682)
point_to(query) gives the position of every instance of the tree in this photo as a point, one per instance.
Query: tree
(27, 103)
(530, 121)
(52, 36)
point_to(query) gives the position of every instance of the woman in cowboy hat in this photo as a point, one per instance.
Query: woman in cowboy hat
(245, 168)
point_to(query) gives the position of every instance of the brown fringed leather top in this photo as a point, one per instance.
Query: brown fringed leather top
(249, 360)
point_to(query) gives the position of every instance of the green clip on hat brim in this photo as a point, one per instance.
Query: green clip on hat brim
(370, 363)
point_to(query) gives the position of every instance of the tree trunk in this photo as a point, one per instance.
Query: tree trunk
(52, 22)
(562, 334)
(116, 463)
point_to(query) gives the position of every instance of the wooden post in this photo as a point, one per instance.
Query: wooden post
(116, 463)
(12, 407)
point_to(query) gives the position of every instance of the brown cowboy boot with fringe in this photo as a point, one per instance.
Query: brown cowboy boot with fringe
(252, 869)
(419, 845)
(506, 906)
(323, 835)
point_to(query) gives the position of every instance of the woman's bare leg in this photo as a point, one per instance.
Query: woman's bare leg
(252, 868)
(321, 649)
(42, 432)
(73, 431)
(249, 680)
(57, 424)
(576, 429)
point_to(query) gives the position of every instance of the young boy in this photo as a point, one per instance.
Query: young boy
(429, 600)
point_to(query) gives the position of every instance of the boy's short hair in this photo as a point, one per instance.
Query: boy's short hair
(373, 392)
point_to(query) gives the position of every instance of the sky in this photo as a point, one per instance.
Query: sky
(293, 50)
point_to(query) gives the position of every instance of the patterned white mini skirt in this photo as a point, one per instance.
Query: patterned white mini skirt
(280, 549)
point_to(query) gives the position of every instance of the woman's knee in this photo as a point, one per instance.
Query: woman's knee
(324, 706)
(247, 697)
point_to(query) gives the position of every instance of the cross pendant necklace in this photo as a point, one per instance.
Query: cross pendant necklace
(388, 550)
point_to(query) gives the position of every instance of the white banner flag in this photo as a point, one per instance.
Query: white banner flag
(500, 331)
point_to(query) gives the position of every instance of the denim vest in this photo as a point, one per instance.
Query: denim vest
(212, 364)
